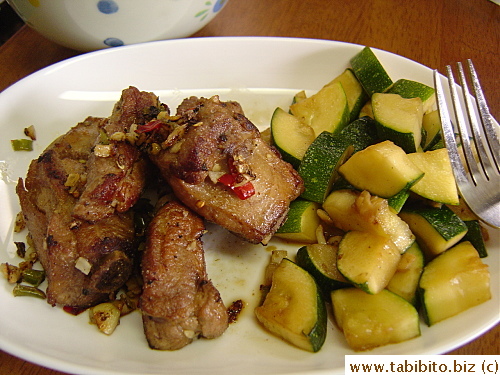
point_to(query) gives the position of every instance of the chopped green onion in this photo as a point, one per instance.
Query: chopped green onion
(103, 138)
(22, 144)
(33, 277)
(28, 291)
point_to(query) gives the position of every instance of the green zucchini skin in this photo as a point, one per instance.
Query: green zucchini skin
(319, 166)
(305, 259)
(409, 89)
(445, 221)
(361, 133)
(436, 229)
(475, 236)
(370, 72)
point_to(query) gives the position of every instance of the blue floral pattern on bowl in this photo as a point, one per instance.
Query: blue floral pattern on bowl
(219, 4)
(111, 6)
(107, 6)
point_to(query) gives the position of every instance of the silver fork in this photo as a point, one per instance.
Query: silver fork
(478, 179)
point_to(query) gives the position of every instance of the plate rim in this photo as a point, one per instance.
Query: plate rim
(51, 362)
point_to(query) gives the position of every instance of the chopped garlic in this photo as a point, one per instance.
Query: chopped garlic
(176, 147)
(276, 257)
(334, 241)
(19, 224)
(106, 316)
(323, 215)
(30, 132)
(189, 333)
(214, 176)
(10, 272)
(174, 136)
(83, 265)
(117, 136)
(103, 151)
(192, 245)
(320, 235)
(72, 179)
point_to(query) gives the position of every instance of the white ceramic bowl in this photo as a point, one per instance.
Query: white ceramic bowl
(87, 25)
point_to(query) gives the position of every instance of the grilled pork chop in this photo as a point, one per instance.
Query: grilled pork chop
(178, 302)
(103, 251)
(116, 181)
(76, 200)
(217, 141)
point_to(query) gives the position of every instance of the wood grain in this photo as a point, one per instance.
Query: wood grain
(432, 32)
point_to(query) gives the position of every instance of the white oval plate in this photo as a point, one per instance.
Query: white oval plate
(260, 73)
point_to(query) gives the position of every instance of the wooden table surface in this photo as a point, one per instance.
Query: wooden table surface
(432, 32)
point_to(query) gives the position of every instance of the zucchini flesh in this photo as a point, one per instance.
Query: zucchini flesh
(327, 110)
(463, 211)
(383, 169)
(351, 210)
(438, 183)
(301, 95)
(294, 308)
(404, 283)
(431, 123)
(290, 136)
(372, 320)
(355, 94)
(399, 120)
(301, 222)
(320, 260)
(367, 260)
(411, 89)
(453, 282)
(367, 110)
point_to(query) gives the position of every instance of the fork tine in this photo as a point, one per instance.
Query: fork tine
(462, 127)
(483, 198)
(476, 135)
(448, 132)
(486, 118)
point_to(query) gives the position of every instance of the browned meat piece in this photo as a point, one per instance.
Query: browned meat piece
(116, 172)
(178, 302)
(103, 251)
(215, 139)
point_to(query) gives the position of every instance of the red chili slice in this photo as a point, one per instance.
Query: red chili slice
(74, 310)
(243, 191)
(227, 179)
(150, 126)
